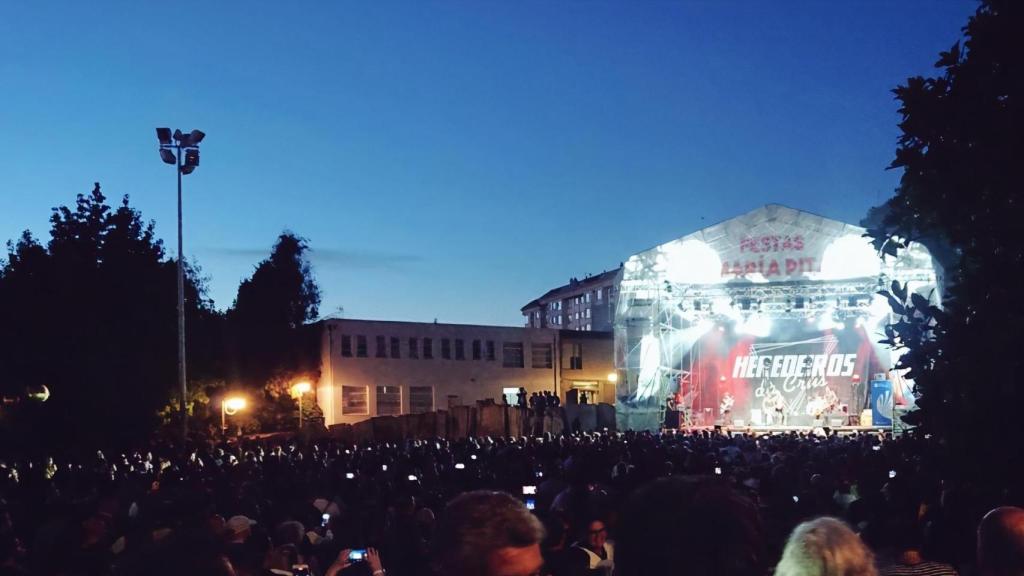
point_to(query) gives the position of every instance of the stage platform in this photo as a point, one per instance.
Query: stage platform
(770, 430)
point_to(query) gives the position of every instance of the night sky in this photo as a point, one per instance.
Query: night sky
(455, 160)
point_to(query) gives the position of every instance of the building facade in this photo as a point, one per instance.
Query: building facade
(586, 364)
(584, 305)
(381, 368)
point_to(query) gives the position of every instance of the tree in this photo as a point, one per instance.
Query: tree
(93, 316)
(959, 152)
(271, 344)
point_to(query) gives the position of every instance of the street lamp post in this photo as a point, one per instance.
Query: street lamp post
(189, 143)
(298, 390)
(229, 407)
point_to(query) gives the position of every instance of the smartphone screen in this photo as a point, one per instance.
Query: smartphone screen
(357, 555)
(531, 504)
(718, 470)
(529, 490)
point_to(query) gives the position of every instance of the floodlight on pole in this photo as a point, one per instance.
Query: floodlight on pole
(171, 148)
(230, 407)
(298, 390)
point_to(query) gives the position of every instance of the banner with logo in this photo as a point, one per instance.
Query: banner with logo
(881, 403)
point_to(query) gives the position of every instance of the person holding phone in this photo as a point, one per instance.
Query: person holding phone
(348, 557)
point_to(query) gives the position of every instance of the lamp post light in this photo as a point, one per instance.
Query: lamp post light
(189, 144)
(229, 407)
(298, 390)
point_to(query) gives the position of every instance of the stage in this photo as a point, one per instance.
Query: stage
(774, 430)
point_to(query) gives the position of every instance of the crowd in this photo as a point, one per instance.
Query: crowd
(632, 504)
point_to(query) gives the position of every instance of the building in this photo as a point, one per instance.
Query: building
(774, 310)
(380, 368)
(586, 361)
(586, 305)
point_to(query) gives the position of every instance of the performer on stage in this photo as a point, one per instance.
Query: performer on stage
(775, 408)
(726, 408)
(831, 401)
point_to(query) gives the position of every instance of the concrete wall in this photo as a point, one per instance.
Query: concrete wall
(469, 380)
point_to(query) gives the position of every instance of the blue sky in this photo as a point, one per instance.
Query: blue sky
(453, 160)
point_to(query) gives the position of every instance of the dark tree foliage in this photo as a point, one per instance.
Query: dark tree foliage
(271, 344)
(93, 317)
(960, 152)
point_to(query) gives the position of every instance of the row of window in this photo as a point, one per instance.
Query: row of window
(512, 353)
(355, 401)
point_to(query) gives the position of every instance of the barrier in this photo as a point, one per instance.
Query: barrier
(489, 420)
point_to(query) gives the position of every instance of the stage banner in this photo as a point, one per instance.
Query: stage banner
(881, 403)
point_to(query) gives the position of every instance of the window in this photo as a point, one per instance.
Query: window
(511, 396)
(421, 399)
(490, 350)
(414, 348)
(346, 346)
(446, 348)
(476, 350)
(428, 349)
(460, 349)
(396, 346)
(588, 312)
(382, 347)
(588, 297)
(576, 357)
(389, 400)
(361, 346)
(353, 399)
(512, 354)
(541, 355)
(599, 290)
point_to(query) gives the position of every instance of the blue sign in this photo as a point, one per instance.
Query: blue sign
(881, 403)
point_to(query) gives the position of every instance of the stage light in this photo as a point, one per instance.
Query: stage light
(690, 262)
(164, 135)
(850, 256)
(167, 156)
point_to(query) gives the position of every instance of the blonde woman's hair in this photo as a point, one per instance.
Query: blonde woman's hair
(825, 547)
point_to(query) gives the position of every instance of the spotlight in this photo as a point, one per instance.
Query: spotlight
(191, 161)
(196, 136)
(167, 156)
(164, 135)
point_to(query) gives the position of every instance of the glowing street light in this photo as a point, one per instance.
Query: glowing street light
(230, 407)
(189, 144)
(298, 390)
(613, 377)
